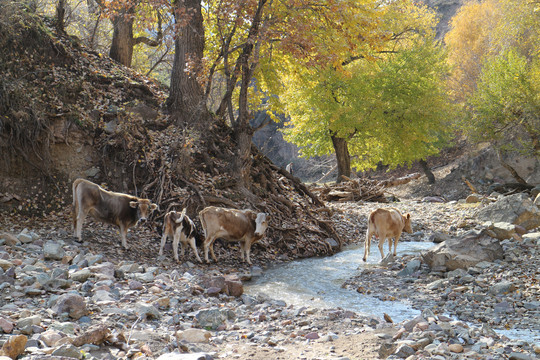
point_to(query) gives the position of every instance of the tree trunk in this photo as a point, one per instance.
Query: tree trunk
(60, 13)
(186, 101)
(342, 156)
(122, 41)
(242, 128)
(429, 174)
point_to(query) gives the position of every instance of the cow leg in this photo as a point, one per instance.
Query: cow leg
(242, 249)
(163, 240)
(183, 242)
(367, 245)
(382, 239)
(212, 250)
(176, 239)
(395, 245)
(123, 234)
(247, 248)
(209, 245)
(194, 247)
(79, 223)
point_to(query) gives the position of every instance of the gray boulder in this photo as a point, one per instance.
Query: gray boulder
(464, 252)
(516, 209)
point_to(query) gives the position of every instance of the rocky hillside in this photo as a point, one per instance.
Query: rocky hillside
(71, 112)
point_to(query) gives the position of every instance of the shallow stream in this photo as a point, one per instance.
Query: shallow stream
(316, 282)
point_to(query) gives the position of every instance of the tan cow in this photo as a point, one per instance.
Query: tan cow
(245, 226)
(182, 229)
(114, 208)
(386, 224)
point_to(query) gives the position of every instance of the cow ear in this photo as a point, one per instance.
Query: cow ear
(253, 215)
(408, 216)
(133, 204)
(154, 207)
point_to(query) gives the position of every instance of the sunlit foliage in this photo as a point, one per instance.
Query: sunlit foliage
(389, 103)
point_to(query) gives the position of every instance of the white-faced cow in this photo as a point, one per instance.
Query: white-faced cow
(386, 224)
(114, 208)
(182, 229)
(245, 226)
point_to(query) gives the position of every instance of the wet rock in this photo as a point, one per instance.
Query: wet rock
(410, 268)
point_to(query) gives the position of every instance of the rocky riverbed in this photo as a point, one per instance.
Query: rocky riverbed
(61, 299)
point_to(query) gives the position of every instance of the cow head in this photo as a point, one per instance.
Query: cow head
(261, 223)
(178, 219)
(407, 223)
(144, 208)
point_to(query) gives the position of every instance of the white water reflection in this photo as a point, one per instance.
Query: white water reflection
(316, 282)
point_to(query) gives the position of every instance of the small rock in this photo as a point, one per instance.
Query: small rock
(72, 304)
(14, 346)
(194, 335)
(6, 325)
(53, 251)
(69, 351)
(473, 198)
(5, 264)
(455, 348)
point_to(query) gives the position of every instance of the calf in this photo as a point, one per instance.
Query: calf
(245, 226)
(114, 208)
(182, 229)
(386, 224)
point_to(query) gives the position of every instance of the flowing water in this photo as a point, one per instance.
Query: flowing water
(316, 282)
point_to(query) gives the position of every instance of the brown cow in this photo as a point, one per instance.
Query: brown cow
(245, 226)
(386, 224)
(109, 207)
(182, 229)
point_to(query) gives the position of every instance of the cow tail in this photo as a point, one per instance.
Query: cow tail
(203, 225)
